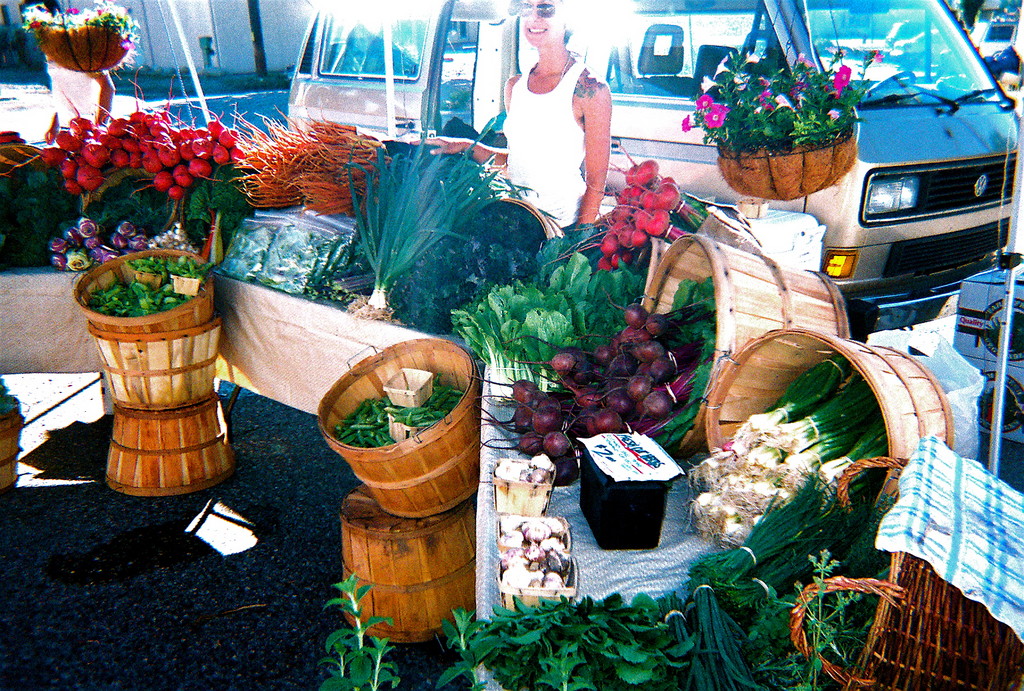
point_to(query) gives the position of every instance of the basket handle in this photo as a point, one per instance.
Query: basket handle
(870, 586)
(375, 349)
(855, 468)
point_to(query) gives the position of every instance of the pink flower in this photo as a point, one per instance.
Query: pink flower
(764, 98)
(802, 60)
(716, 115)
(73, 10)
(876, 56)
(686, 124)
(704, 102)
(842, 79)
(833, 114)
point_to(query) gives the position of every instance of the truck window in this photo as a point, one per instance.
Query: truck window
(925, 58)
(670, 54)
(458, 65)
(356, 49)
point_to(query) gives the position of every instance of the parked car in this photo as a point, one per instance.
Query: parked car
(926, 205)
(991, 37)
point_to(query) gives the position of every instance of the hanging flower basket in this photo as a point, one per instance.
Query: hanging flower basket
(786, 176)
(90, 40)
(83, 49)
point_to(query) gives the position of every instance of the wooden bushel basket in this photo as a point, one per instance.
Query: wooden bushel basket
(195, 312)
(753, 295)
(430, 472)
(10, 435)
(167, 452)
(162, 370)
(912, 402)
(925, 634)
(786, 176)
(82, 49)
(420, 568)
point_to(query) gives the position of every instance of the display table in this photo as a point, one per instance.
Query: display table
(599, 572)
(281, 346)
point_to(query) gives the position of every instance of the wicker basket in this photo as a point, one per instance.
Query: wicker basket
(753, 295)
(787, 176)
(82, 49)
(925, 635)
(196, 312)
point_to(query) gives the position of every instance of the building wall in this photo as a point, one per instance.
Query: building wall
(225, 22)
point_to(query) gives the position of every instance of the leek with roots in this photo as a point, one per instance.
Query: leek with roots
(410, 202)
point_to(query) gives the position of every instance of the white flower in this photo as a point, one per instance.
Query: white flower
(707, 83)
(753, 58)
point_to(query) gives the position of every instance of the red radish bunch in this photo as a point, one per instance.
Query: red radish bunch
(173, 157)
(645, 209)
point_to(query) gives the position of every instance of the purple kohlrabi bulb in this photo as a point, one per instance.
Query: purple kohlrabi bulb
(60, 261)
(139, 242)
(58, 245)
(92, 242)
(118, 241)
(88, 228)
(73, 236)
(126, 229)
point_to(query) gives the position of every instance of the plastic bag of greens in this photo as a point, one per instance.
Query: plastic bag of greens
(247, 253)
(305, 248)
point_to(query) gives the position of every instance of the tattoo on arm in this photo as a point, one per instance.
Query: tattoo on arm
(587, 86)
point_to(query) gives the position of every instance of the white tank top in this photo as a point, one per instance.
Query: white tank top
(545, 146)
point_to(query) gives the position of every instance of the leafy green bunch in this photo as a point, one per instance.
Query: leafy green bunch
(106, 14)
(752, 106)
(604, 645)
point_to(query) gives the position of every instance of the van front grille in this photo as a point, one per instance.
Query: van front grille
(948, 251)
(954, 188)
(948, 189)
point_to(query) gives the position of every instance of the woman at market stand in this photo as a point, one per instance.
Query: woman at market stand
(557, 124)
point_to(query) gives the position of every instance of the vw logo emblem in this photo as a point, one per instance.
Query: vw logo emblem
(980, 185)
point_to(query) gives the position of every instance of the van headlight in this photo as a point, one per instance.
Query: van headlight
(888, 194)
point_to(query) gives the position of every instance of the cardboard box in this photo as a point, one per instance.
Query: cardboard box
(979, 317)
(1013, 407)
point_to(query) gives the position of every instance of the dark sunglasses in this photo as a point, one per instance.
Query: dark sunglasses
(545, 10)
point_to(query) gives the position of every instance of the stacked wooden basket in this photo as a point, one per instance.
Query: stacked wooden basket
(410, 530)
(169, 434)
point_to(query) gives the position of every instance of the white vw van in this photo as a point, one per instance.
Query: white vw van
(926, 205)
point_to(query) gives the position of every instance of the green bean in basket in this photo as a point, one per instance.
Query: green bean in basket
(368, 425)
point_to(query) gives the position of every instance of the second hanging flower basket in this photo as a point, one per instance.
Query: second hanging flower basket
(788, 175)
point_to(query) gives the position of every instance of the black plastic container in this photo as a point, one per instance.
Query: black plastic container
(622, 515)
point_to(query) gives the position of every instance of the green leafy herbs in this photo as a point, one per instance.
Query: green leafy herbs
(8, 403)
(605, 645)
(217, 199)
(411, 200)
(355, 658)
(135, 299)
(514, 325)
(33, 208)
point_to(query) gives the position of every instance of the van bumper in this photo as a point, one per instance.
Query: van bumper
(880, 313)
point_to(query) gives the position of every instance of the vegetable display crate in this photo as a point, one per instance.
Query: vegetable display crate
(164, 370)
(911, 400)
(522, 498)
(10, 435)
(157, 453)
(925, 634)
(531, 597)
(420, 568)
(753, 295)
(195, 312)
(438, 468)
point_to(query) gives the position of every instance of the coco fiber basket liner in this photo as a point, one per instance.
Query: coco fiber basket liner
(785, 176)
(82, 49)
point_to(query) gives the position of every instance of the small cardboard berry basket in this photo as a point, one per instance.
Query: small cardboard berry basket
(410, 388)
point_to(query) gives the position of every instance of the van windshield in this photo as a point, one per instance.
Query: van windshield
(926, 59)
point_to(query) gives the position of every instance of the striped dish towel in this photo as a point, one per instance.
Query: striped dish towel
(966, 523)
